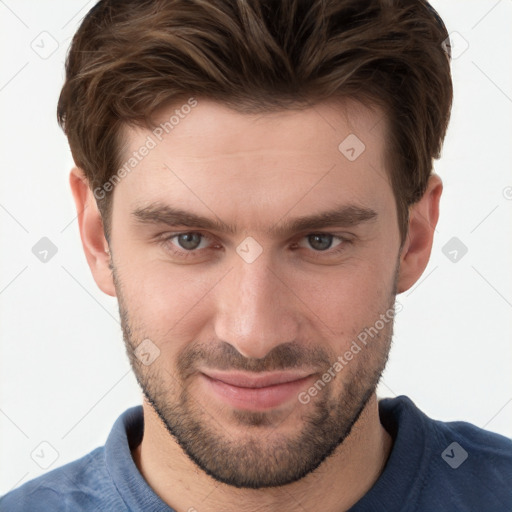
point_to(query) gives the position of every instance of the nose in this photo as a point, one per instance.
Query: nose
(255, 308)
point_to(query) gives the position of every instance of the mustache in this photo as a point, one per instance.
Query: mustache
(223, 356)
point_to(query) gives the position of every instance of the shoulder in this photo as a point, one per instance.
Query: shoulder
(477, 440)
(462, 466)
(101, 480)
(463, 441)
(472, 467)
(489, 454)
(79, 485)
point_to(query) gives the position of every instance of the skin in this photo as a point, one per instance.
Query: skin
(293, 306)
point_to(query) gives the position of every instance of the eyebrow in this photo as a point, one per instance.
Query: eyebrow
(343, 216)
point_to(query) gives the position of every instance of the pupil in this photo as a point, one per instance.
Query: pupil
(320, 242)
(189, 240)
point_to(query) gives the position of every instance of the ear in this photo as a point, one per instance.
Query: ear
(95, 245)
(423, 217)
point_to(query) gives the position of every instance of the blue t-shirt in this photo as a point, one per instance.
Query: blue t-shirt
(434, 466)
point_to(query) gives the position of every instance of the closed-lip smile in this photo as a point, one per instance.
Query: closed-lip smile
(255, 391)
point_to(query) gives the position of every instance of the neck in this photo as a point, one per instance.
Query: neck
(337, 484)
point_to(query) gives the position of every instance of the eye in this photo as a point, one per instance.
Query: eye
(186, 243)
(321, 241)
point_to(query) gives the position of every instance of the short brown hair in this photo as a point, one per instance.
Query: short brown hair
(130, 58)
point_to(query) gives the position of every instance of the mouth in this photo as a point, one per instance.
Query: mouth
(256, 392)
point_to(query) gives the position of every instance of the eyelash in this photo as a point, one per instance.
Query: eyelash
(167, 242)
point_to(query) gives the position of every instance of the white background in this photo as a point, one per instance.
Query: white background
(64, 375)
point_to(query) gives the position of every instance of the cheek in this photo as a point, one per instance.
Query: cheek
(161, 298)
(347, 299)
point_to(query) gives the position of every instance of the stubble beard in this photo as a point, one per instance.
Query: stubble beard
(259, 456)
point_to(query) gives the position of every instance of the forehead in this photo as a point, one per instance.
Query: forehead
(212, 159)
(224, 131)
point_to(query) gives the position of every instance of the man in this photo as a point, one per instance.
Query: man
(254, 184)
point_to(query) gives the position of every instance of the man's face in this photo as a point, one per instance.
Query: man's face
(231, 318)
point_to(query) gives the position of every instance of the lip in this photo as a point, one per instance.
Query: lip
(257, 392)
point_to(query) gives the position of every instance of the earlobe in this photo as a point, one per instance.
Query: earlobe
(423, 217)
(91, 231)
